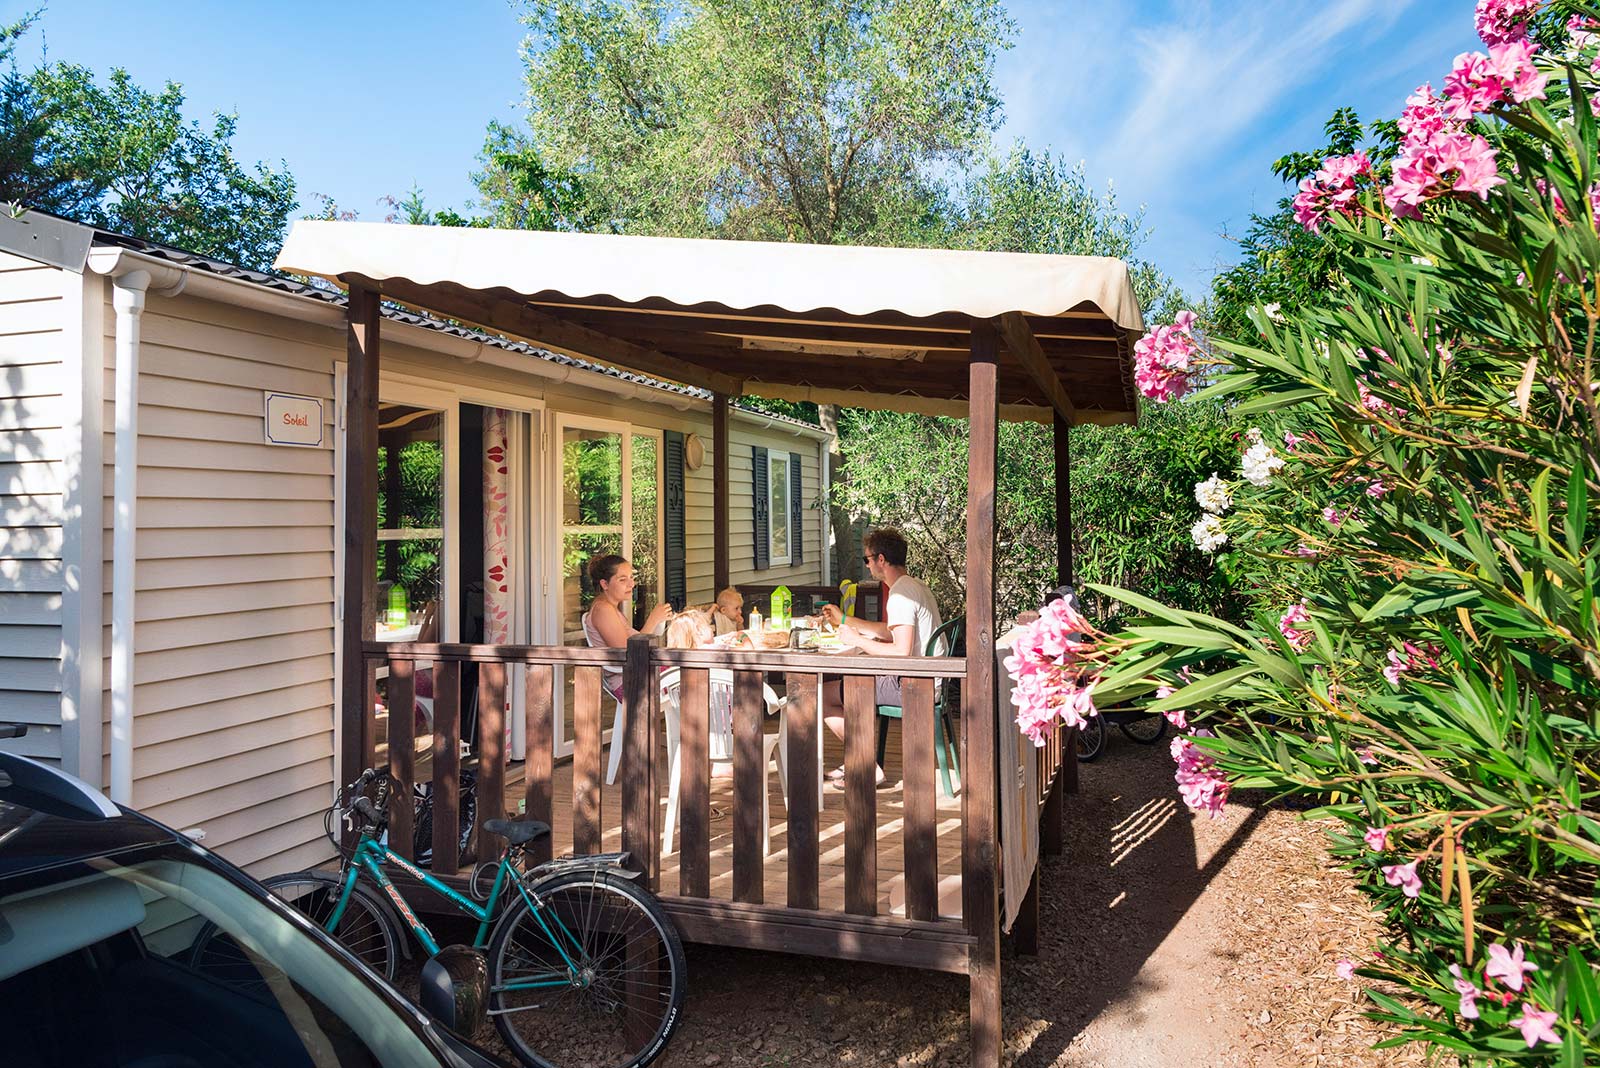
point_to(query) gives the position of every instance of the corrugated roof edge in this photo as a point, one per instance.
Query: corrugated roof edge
(223, 269)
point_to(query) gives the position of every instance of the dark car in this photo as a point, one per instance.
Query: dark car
(124, 944)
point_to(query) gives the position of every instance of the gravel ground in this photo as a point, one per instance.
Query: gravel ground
(1164, 938)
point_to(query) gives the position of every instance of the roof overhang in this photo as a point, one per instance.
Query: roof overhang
(868, 327)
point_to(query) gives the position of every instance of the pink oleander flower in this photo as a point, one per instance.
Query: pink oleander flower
(1306, 551)
(1291, 440)
(1469, 994)
(1535, 1026)
(1404, 876)
(1374, 403)
(1175, 716)
(1332, 190)
(1423, 116)
(1345, 969)
(1513, 64)
(1202, 786)
(1507, 965)
(1299, 640)
(1376, 489)
(1048, 683)
(1161, 359)
(1364, 754)
(1471, 87)
(1336, 516)
(1500, 21)
(1377, 839)
(1414, 658)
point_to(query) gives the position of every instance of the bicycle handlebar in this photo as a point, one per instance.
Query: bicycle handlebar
(373, 810)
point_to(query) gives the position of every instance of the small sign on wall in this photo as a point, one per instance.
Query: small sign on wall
(293, 419)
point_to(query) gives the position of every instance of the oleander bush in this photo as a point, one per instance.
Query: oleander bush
(1417, 506)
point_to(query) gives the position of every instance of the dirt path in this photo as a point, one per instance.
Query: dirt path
(1165, 940)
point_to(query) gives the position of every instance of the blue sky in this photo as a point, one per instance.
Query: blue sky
(1182, 105)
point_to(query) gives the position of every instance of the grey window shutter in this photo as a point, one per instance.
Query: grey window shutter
(797, 525)
(673, 557)
(758, 484)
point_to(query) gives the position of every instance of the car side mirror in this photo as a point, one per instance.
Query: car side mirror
(454, 989)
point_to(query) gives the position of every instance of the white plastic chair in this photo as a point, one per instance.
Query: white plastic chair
(619, 719)
(720, 746)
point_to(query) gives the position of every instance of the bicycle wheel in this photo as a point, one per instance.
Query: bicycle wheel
(1147, 730)
(364, 929)
(1091, 739)
(600, 982)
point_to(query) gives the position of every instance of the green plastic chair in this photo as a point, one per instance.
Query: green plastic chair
(945, 740)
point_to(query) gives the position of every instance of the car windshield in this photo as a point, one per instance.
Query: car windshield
(155, 958)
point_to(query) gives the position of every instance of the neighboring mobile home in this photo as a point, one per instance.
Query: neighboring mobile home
(208, 485)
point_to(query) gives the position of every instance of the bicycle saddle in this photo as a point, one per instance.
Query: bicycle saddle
(517, 832)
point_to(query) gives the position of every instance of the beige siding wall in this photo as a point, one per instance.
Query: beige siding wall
(33, 453)
(234, 583)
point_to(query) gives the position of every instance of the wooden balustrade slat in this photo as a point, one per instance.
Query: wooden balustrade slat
(539, 768)
(861, 797)
(748, 858)
(491, 756)
(402, 753)
(640, 743)
(921, 834)
(446, 768)
(800, 715)
(586, 763)
(694, 770)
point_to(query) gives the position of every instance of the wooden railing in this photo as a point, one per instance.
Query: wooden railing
(857, 921)
(539, 707)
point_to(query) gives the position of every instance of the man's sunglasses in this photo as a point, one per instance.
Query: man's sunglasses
(868, 558)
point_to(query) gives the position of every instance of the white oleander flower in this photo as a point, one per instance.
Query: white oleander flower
(1213, 495)
(1260, 463)
(1208, 534)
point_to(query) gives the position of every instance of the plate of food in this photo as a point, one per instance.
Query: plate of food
(824, 642)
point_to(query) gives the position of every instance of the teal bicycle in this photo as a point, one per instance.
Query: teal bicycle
(585, 968)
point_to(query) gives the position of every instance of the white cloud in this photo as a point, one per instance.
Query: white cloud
(1205, 80)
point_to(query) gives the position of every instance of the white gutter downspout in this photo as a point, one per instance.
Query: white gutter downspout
(132, 276)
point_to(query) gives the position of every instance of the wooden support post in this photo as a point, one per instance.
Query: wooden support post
(402, 753)
(1025, 931)
(1063, 502)
(359, 685)
(639, 755)
(720, 569)
(980, 885)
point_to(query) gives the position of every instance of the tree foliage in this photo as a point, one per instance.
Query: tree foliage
(122, 157)
(813, 121)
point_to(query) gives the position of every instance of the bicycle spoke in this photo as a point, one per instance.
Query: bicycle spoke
(625, 977)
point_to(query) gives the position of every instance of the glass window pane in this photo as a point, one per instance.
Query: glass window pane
(577, 592)
(645, 473)
(591, 478)
(410, 521)
(778, 508)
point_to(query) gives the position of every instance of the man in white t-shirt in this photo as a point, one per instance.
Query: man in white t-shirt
(910, 617)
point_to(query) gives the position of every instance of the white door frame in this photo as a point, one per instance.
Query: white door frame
(560, 422)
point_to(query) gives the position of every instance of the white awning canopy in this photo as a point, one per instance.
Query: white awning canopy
(871, 327)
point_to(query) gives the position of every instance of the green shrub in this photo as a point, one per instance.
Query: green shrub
(1424, 652)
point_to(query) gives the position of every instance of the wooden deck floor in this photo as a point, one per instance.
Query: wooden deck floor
(831, 826)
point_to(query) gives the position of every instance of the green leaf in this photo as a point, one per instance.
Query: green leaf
(1204, 689)
(1188, 637)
